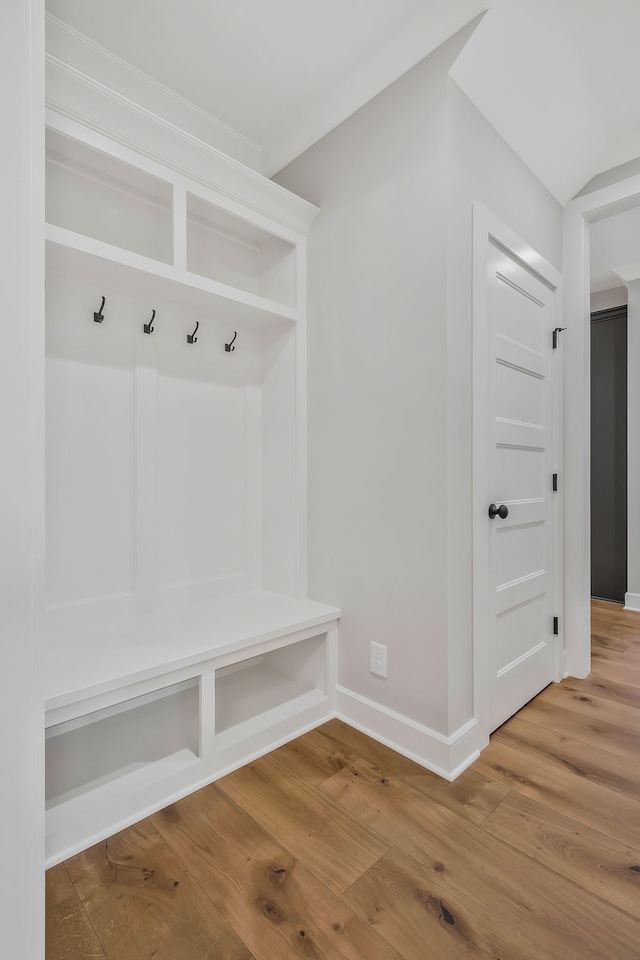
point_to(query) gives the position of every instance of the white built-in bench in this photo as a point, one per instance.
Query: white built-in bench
(141, 713)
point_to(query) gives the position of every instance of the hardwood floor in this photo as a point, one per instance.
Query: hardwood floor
(335, 848)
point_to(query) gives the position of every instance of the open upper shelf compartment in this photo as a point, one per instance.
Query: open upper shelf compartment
(135, 218)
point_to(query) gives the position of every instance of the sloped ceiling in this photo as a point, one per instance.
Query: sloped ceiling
(558, 79)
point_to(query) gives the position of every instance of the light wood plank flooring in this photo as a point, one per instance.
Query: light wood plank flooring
(335, 848)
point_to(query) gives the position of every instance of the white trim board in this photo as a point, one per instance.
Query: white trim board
(632, 601)
(446, 756)
(578, 213)
(68, 46)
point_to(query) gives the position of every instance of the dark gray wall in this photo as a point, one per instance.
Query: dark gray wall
(609, 453)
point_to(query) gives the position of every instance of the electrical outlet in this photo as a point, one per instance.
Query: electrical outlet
(378, 659)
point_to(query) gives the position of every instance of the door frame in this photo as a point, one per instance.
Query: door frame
(488, 229)
(578, 214)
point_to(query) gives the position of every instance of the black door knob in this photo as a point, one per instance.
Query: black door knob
(502, 511)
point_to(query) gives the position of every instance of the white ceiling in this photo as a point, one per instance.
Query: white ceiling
(558, 79)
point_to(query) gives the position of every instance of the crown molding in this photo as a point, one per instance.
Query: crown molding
(68, 46)
(76, 102)
(435, 24)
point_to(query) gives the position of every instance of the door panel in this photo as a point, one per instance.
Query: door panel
(521, 314)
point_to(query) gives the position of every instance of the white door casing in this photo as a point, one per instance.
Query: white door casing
(517, 432)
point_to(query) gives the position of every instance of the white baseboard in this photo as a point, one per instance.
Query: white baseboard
(446, 756)
(632, 601)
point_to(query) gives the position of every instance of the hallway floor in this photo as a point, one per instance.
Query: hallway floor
(336, 847)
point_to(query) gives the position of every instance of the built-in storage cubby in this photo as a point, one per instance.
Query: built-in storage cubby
(239, 253)
(179, 637)
(96, 195)
(265, 686)
(155, 731)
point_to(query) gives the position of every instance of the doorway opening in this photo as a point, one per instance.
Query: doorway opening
(609, 454)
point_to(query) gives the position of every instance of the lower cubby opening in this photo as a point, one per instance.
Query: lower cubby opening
(93, 760)
(259, 691)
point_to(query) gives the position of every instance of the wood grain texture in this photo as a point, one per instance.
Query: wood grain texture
(591, 804)
(143, 903)
(318, 756)
(328, 840)
(590, 858)
(413, 908)
(315, 756)
(337, 848)
(283, 911)
(524, 894)
(599, 732)
(68, 932)
(583, 760)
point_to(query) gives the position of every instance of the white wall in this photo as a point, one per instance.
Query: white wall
(632, 598)
(21, 478)
(377, 434)
(605, 299)
(390, 377)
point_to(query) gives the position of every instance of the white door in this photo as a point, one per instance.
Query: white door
(518, 548)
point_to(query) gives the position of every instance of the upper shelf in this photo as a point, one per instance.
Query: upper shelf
(131, 272)
(123, 221)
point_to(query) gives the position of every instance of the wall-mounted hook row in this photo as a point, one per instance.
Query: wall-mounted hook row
(98, 315)
(149, 328)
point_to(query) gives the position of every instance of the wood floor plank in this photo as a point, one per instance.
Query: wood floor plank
(582, 759)
(413, 908)
(68, 932)
(143, 903)
(590, 858)
(553, 912)
(590, 705)
(611, 642)
(378, 754)
(315, 757)
(596, 685)
(472, 796)
(283, 911)
(615, 814)
(327, 839)
(627, 660)
(596, 731)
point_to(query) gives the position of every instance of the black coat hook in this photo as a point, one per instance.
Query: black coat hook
(148, 327)
(191, 337)
(98, 315)
(229, 347)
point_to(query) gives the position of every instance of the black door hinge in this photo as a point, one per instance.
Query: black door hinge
(555, 483)
(555, 336)
(555, 626)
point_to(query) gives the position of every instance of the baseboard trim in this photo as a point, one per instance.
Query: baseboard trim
(446, 756)
(632, 601)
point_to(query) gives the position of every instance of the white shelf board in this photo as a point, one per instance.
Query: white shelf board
(89, 258)
(87, 663)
